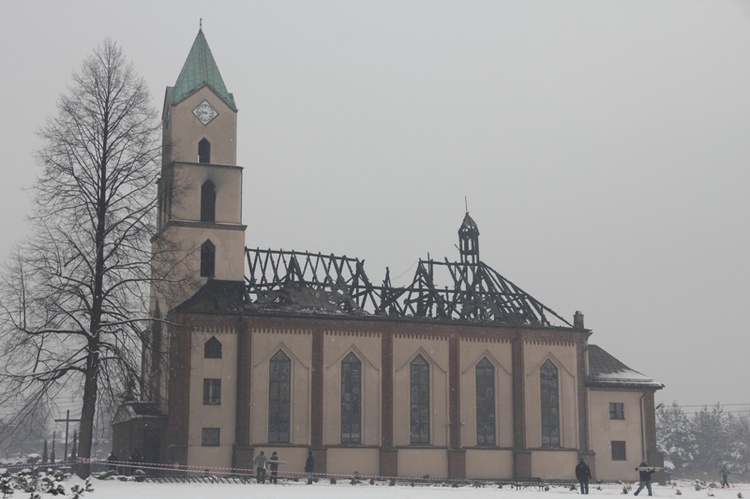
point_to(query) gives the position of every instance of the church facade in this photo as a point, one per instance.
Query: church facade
(460, 375)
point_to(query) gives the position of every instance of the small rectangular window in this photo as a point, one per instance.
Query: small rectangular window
(618, 450)
(211, 391)
(616, 410)
(210, 437)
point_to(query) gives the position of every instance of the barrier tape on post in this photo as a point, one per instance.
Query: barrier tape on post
(245, 473)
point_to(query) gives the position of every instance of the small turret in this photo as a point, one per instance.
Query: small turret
(468, 239)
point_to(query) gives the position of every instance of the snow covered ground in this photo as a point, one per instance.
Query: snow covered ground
(112, 489)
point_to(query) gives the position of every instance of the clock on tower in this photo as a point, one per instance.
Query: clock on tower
(205, 112)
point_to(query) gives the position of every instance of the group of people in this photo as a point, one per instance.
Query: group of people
(583, 475)
(261, 462)
(114, 464)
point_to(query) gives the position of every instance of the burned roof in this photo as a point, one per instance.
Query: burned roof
(293, 282)
(301, 282)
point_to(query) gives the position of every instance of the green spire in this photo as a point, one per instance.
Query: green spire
(200, 69)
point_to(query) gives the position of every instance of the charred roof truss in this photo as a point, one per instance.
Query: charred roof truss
(300, 282)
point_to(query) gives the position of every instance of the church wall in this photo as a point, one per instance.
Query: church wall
(489, 463)
(554, 464)
(175, 445)
(229, 250)
(189, 178)
(343, 462)
(163, 294)
(220, 416)
(297, 345)
(604, 430)
(500, 354)
(367, 348)
(221, 132)
(563, 355)
(420, 462)
(434, 350)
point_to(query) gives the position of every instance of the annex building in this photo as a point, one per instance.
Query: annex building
(459, 375)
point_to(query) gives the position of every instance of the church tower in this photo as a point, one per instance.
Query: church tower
(200, 191)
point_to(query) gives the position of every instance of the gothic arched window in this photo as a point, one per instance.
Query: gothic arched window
(208, 202)
(351, 400)
(485, 382)
(419, 400)
(204, 151)
(208, 259)
(212, 348)
(279, 398)
(550, 404)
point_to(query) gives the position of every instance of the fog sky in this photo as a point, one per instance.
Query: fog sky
(603, 146)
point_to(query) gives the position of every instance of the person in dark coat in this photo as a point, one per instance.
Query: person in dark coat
(724, 476)
(644, 474)
(273, 465)
(583, 474)
(135, 458)
(309, 466)
(112, 461)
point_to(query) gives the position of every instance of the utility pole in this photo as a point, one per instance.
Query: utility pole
(67, 421)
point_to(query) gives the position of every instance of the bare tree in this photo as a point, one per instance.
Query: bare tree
(75, 302)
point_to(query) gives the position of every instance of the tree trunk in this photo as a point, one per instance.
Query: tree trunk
(88, 411)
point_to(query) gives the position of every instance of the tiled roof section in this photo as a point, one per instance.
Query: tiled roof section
(200, 69)
(605, 370)
(136, 410)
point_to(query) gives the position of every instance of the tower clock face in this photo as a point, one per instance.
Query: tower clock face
(205, 113)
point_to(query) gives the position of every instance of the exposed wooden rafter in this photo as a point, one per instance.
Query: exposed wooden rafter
(460, 291)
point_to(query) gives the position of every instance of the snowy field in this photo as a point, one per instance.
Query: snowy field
(112, 489)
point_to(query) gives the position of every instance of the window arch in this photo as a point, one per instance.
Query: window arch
(208, 259)
(279, 398)
(419, 381)
(212, 348)
(550, 403)
(204, 151)
(208, 202)
(485, 383)
(351, 400)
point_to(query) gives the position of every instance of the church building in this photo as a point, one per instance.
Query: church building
(459, 375)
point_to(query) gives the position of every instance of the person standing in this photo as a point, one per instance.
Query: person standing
(309, 466)
(724, 476)
(583, 474)
(273, 465)
(644, 474)
(260, 467)
(112, 461)
(135, 458)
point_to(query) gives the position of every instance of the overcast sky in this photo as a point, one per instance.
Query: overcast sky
(603, 146)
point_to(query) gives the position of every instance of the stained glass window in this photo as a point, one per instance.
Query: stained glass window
(550, 404)
(485, 380)
(279, 398)
(351, 400)
(420, 401)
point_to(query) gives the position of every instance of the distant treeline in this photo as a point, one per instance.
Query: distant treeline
(696, 445)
